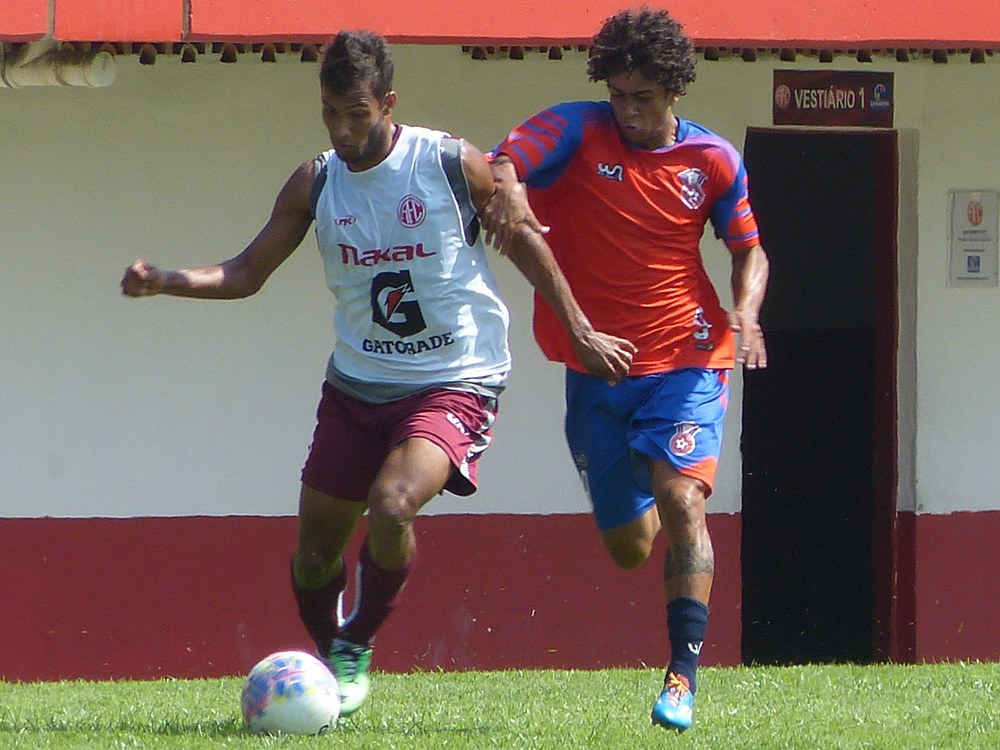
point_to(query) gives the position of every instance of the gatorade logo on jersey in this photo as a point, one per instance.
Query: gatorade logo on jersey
(683, 441)
(693, 188)
(411, 211)
(393, 304)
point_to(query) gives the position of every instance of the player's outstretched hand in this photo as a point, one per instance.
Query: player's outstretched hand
(606, 356)
(751, 350)
(507, 210)
(142, 280)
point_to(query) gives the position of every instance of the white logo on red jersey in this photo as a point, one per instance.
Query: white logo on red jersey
(693, 188)
(612, 172)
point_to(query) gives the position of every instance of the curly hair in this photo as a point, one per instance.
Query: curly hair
(354, 57)
(645, 40)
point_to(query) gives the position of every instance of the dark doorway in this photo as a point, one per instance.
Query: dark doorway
(818, 438)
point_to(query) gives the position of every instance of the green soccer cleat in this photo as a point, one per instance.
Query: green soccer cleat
(350, 663)
(674, 709)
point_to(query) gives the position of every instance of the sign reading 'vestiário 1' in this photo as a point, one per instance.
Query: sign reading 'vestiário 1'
(832, 98)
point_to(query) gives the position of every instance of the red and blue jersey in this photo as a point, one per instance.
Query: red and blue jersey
(626, 227)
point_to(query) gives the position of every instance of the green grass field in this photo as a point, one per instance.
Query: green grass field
(814, 707)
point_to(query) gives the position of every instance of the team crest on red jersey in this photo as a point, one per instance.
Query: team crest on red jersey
(693, 187)
(683, 442)
(411, 211)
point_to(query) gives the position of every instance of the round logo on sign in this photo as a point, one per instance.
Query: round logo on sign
(975, 213)
(783, 96)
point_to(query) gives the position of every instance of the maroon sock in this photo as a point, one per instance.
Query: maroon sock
(318, 609)
(375, 598)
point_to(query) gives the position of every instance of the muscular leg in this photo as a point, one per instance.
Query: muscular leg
(325, 526)
(414, 472)
(680, 509)
(318, 575)
(629, 545)
(688, 568)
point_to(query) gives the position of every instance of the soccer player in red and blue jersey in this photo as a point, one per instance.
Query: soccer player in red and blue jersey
(626, 188)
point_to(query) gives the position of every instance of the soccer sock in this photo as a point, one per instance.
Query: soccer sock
(317, 597)
(687, 621)
(375, 598)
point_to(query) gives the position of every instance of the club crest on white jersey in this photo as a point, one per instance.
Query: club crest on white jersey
(411, 211)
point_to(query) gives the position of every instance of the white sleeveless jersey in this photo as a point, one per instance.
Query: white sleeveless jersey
(416, 302)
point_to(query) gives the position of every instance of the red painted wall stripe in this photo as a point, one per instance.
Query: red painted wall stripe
(903, 636)
(203, 597)
(957, 587)
(200, 597)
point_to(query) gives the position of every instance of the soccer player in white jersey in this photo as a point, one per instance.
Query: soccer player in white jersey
(411, 388)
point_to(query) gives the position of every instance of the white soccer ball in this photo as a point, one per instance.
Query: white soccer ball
(290, 692)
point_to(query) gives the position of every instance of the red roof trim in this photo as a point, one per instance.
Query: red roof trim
(119, 20)
(24, 20)
(756, 23)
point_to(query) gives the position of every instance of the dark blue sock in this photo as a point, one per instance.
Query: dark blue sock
(687, 621)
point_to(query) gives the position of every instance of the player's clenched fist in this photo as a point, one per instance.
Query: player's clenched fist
(142, 280)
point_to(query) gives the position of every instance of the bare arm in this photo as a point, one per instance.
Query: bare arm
(606, 356)
(243, 274)
(749, 282)
(509, 208)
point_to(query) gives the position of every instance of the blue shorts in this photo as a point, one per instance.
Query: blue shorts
(613, 431)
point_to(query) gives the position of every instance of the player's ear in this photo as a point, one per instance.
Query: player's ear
(389, 102)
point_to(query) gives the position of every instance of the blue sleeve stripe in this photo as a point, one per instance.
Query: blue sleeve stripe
(742, 237)
(514, 150)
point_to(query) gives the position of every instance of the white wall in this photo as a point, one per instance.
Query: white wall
(958, 401)
(115, 407)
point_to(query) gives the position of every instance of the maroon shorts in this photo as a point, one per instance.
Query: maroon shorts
(353, 438)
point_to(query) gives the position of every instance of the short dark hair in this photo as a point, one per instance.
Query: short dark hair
(355, 57)
(648, 41)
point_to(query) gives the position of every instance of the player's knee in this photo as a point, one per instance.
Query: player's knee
(628, 554)
(390, 514)
(682, 503)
